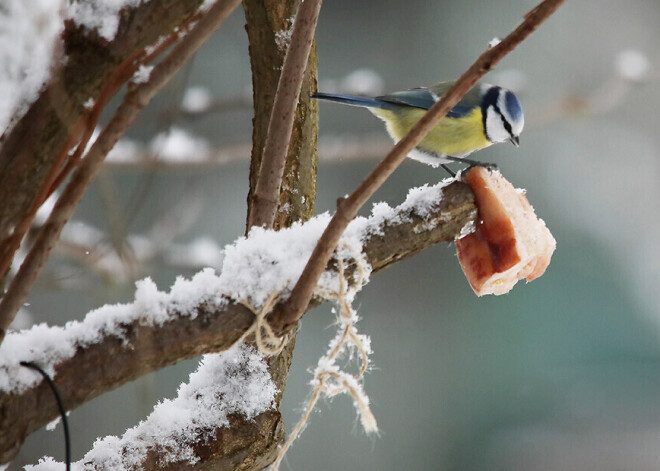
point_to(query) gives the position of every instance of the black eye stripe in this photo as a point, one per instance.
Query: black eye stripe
(505, 123)
(507, 126)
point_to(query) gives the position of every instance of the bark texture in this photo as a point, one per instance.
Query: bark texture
(268, 21)
(257, 441)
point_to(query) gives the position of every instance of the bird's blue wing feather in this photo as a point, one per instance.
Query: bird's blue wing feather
(460, 111)
(352, 100)
(423, 98)
(417, 98)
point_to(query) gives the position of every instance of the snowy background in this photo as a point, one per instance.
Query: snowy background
(559, 374)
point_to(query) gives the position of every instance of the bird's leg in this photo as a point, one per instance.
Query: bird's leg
(448, 170)
(471, 163)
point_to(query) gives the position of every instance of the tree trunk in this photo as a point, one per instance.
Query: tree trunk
(268, 22)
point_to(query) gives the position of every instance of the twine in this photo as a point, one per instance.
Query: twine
(267, 341)
(329, 378)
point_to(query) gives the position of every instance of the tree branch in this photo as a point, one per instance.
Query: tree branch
(29, 150)
(252, 444)
(289, 312)
(134, 101)
(139, 348)
(63, 163)
(266, 196)
(268, 27)
(332, 150)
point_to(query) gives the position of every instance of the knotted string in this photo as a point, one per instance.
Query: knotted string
(329, 378)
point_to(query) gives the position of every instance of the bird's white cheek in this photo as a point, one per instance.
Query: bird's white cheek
(494, 127)
(518, 127)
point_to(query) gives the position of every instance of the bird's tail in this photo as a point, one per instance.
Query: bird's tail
(352, 100)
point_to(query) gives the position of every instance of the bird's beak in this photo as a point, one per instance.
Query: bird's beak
(515, 140)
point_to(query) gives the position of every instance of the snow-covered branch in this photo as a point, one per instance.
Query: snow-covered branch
(226, 388)
(55, 113)
(119, 343)
(137, 97)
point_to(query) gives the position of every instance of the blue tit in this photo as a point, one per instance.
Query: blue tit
(485, 115)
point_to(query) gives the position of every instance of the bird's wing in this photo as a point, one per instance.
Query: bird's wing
(424, 98)
(440, 89)
(416, 97)
(469, 102)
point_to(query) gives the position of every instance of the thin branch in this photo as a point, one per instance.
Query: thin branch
(267, 192)
(81, 133)
(29, 151)
(332, 150)
(288, 313)
(134, 101)
(112, 361)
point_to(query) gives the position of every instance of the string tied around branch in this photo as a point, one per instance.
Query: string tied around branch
(267, 341)
(329, 377)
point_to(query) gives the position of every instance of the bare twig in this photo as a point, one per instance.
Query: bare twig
(332, 150)
(112, 361)
(288, 313)
(134, 101)
(267, 191)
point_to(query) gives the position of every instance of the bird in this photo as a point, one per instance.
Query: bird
(486, 115)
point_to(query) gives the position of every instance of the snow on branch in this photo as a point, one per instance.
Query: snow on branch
(234, 382)
(28, 39)
(203, 314)
(85, 172)
(46, 113)
(100, 16)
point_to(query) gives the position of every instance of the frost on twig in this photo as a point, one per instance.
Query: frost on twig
(234, 382)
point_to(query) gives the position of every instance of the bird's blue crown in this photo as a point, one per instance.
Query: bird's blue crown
(513, 107)
(493, 98)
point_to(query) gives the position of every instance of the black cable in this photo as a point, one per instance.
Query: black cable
(60, 406)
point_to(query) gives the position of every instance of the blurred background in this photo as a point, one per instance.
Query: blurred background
(560, 374)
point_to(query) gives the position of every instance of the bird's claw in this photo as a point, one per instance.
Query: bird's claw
(486, 165)
(489, 166)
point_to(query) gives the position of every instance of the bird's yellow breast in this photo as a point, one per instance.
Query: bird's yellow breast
(454, 137)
